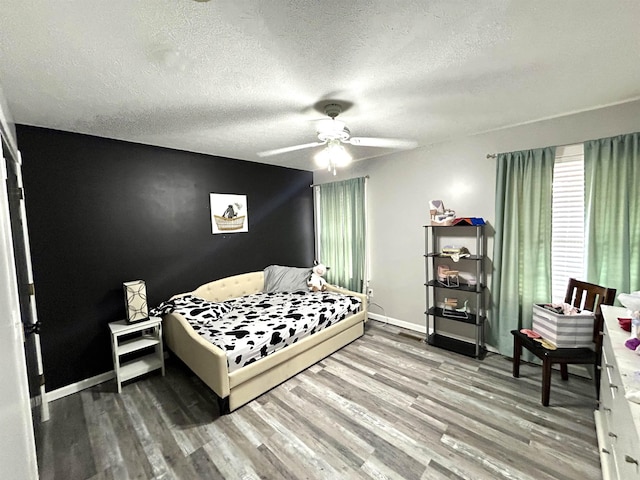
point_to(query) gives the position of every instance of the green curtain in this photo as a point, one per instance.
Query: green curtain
(522, 242)
(341, 227)
(612, 211)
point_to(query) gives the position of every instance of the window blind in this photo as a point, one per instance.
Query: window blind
(567, 230)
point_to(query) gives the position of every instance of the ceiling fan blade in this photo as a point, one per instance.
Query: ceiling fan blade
(382, 142)
(278, 151)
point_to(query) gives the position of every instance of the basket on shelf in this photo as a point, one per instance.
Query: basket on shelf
(224, 223)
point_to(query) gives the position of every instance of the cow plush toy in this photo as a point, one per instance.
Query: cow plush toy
(316, 282)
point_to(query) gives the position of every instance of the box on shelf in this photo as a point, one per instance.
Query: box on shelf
(564, 331)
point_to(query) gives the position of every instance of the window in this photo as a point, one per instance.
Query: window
(340, 215)
(567, 229)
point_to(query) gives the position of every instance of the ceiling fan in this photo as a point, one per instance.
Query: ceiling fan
(333, 133)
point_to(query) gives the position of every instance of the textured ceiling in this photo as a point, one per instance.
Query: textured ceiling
(233, 78)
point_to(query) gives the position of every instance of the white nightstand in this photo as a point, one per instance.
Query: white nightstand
(127, 338)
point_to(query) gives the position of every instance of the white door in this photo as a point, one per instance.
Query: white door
(26, 290)
(17, 442)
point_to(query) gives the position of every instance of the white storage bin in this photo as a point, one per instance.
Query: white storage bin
(564, 331)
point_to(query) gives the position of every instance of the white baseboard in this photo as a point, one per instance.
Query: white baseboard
(84, 384)
(418, 328)
(79, 386)
(396, 322)
(105, 377)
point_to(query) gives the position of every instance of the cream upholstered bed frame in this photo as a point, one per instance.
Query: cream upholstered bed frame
(239, 387)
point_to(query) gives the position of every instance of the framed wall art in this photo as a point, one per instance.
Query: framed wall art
(229, 213)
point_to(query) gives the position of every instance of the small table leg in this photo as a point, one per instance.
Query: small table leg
(517, 351)
(546, 381)
(564, 371)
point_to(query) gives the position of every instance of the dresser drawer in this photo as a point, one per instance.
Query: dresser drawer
(624, 439)
(608, 377)
(626, 463)
(610, 371)
(607, 459)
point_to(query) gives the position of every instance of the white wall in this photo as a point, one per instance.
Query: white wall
(457, 172)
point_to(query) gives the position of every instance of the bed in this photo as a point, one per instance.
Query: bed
(235, 377)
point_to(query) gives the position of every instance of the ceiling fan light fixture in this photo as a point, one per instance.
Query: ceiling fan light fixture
(332, 130)
(339, 155)
(332, 156)
(333, 134)
(322, 158)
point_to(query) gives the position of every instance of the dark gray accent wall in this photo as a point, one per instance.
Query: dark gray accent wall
(101, 212)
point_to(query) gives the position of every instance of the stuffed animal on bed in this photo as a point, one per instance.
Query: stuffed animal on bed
(316, 282)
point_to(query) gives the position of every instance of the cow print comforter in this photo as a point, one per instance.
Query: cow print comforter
(251, 327)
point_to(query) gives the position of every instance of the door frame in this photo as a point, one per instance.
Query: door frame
(41, 397)
(19, 456)
(30, 317)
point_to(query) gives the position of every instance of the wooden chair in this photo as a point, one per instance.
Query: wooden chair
(583, 295)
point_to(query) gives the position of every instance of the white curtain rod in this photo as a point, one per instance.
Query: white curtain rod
(326, 183)
(495, 155)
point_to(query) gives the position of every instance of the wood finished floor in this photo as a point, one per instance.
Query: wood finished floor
(385, 406)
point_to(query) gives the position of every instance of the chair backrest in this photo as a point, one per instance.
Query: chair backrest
(589, 296)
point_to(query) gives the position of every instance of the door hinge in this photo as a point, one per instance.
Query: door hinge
(31, 289)
(17, 193)
(32, 328)
(41, 379)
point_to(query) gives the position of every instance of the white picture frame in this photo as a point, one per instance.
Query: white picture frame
(229, 213)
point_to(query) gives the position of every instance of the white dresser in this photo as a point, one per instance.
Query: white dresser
(618, 419)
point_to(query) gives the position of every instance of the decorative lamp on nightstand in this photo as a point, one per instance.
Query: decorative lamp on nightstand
(135, 299)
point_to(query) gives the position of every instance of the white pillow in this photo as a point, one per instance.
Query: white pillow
(285, 279)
